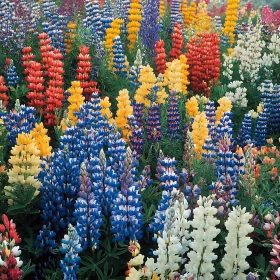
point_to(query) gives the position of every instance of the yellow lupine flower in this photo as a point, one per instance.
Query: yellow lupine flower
(133, 26)
(231, 19)
(124, 110)
(26, 163)
(199, 131)
(225, 106)
(192, 107)
(113, 32)
(76, 99)
(105, 104)
(42, 141)
(148, 81)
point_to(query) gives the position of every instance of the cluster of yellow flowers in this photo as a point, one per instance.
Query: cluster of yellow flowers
(70, 35)
(113, 32)
(176, 75)
(192, 107)
(124, 110)
(76, 99)
(161, 8)
(231, 18)
(133, 26)
(225, 106)
(199, 131)
(189, 14)
(42, 141)
(148, 80)
(202, 21)
(26, 163)
(105, 104)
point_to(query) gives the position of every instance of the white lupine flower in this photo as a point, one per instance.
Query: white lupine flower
(238, 96)
(234, 261)
(16, 252)
(173, 243)
(134, 274)
(248, 52)
(228, 65)
(204, 224)
(136, 261)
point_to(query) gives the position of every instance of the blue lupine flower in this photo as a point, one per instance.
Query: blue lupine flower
(108, 15)
(126, 218)
(274, 119)
(90, 118)
(20, 120)
(144, 180)
(119, 58)
(12, 76)
(261, 129)
(226, 170)
(175, 12)
(225, 128)
(168, 174)
(157, 225)
(245, 133)
(149, 30)
(116, 151)
(211, 118)
(209, 150)
(88, 209)
(46, 239)
(173, 116)
(71, 248)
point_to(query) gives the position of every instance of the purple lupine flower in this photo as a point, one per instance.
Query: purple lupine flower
(173, 116)
(138, 113)
(153, 125)
(71, 7)
(71, 247)
(126, 218)
(149, 30)
(119, 58)
(144, 180)
(88, 210)
(274, 118)
(136, 139)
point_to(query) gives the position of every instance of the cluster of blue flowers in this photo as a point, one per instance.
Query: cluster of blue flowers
(119, 58)
(11, 75)
(136, 139)
(245, 134)
(149, 30)
(71, 248)
(20, 120)
(175, 15)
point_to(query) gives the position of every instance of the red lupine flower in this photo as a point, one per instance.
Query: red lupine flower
(204, 62)
(177, 42)
(160, 57)
(3, 91)
(8, 229)
(83, 70)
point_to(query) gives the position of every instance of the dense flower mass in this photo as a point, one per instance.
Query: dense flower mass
(134, 134)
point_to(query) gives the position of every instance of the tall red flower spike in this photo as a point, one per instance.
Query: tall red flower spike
(3, 91)
(8, 230)
(160, 57)
(54, 92)
(27, 57)
(45, 48)
(177, 42)
(204, 62)
(83, 70)
(35, 85)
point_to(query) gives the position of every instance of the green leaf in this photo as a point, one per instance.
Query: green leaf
(27, 269)
(16, 209)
